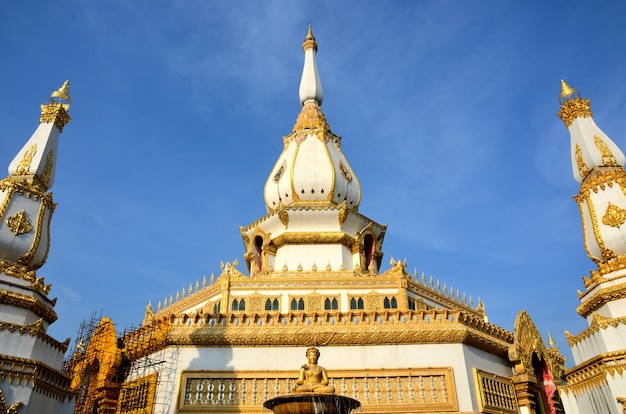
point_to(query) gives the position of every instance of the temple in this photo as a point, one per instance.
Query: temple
(313, 278)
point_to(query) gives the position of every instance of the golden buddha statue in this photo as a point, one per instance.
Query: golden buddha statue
(313, 377)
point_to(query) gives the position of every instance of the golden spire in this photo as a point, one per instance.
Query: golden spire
(62, 96)
(572, 105)
(567, 92)
(309, 41)
(56, 110)
(550, 340)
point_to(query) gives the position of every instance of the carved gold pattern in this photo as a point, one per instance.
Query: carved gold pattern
(343, 213)
(311, 120)
(35, 329)
(583, 170)
(336, 328)
(574, 108)
(47, 170)
(344, 171)
(593, 373)
(11, 409)
(614, 216)
(608, 159)
(43, 378)
(54, 113)
(496, 394)
(601, 297)
(31, 303)
(19, 223)
(597, 322)
(19, 271)
(23, 167)
(309, 41)
(331, 237)
(28, 257)
(283, 215)
(381, 390)
(137, 397)
(529, 344)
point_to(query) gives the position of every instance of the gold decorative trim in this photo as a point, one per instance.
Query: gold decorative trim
(19, 223)
(283, 215)
(311, 120)
(19, 271)
(43, 378)
(335, 328)
(343, 213)
(23, 301)
(27, 259)
(11, 409)
(399, 390)
(600, 298)
(332, 237)
(608, 159)
(583, 170)
(56, 113)
(496, 394)
(35, 329)
(23, 168)
(47, 170)
(614, 216)
(137, 397)
(575, 108)
(529, 344)
(597, 322)
(593, 373)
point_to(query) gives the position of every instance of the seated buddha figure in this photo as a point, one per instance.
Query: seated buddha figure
(313, 377)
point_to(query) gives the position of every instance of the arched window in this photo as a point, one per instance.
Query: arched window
(258, 252)
(216, 307)
(294, 304)
(242, 305)
(331, 304)
(411, 304)
(268, 305)
(368, 248)
(356, 304)
(394, 303)
(235, 305)
(386, 303)
(275, 305)
(301, 304)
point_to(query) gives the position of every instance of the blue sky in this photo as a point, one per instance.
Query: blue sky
(446, 108)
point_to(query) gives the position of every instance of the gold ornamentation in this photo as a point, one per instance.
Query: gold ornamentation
(597, 322)
(614, 216)
(309, 41)
(344, 171)
(17, 270)
(311, 120)
(601, 297)
(137, 396)
(23, 167)
(283, 215)
(583, 170)
(19, 223)
(28, 257)
(574, 108)
(11, 409)
(45, 379)
(335, 329)
(332, 237)
(496, 394)
(415, 390)
(279, 173)
(593, 217)
(31, 303)
(608, 159)
(47, 170)
(593, 373)
(54, 113)
(529, 344)
(343, 213)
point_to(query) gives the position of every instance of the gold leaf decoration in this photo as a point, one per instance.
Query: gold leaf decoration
(19, 223)
(614, 216)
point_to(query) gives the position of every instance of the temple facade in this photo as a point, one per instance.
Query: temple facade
(312, 276)
(312, 285)
(32, 378)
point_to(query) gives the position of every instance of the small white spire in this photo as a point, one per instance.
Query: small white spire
(310, 84)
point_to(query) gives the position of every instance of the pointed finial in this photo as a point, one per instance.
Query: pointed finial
(309, 41)
(567, 92)
(550, 340)
(62, 95)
